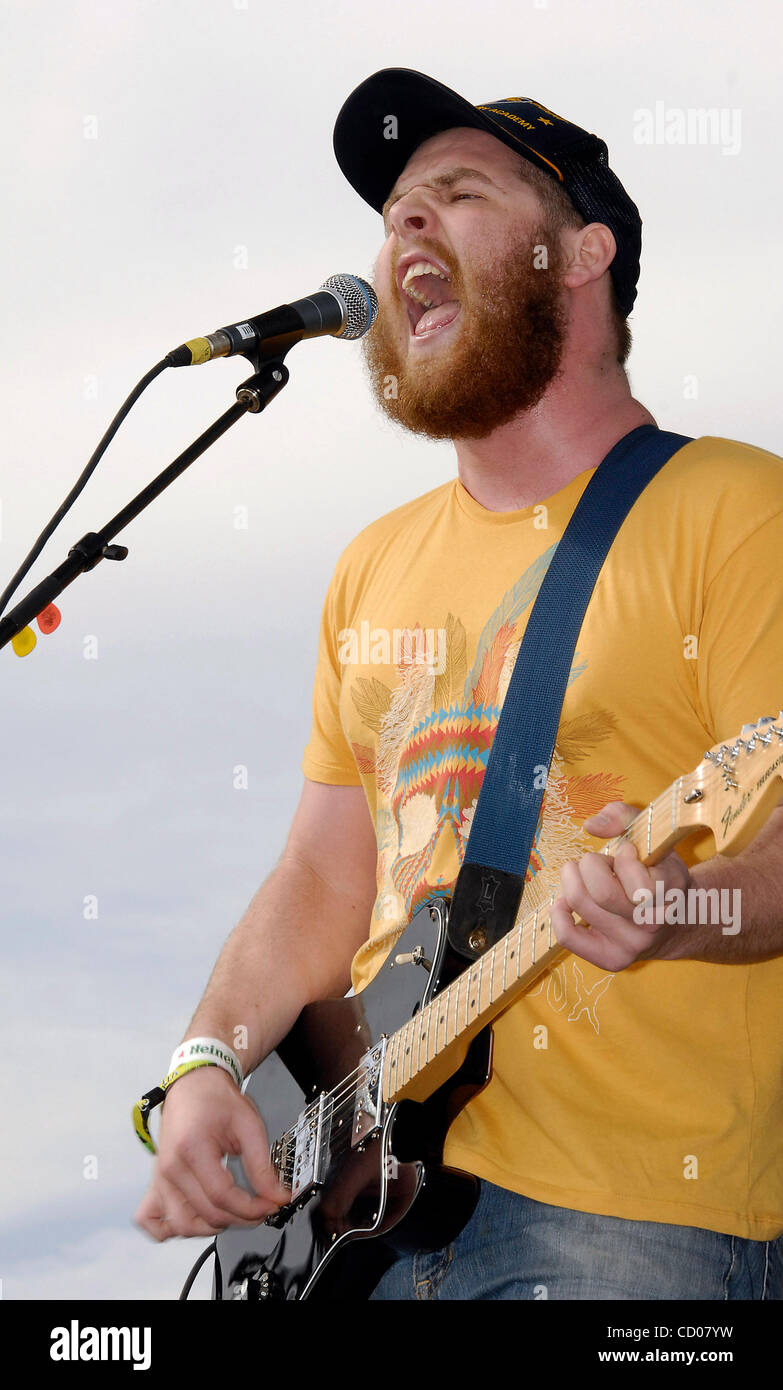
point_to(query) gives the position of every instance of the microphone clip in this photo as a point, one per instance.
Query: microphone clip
(265, 383)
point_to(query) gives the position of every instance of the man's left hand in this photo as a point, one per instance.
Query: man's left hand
(594, 914)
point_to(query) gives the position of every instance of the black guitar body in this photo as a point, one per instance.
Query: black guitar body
(368, 1178)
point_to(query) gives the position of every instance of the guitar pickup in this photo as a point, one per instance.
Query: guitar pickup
(367, 1110)
(311, 1149)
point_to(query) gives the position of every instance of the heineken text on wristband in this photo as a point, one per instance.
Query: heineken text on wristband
(207, 1050)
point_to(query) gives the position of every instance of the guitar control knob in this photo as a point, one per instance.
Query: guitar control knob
(252, 1282)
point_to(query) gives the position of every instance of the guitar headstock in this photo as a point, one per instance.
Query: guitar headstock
(736, 786)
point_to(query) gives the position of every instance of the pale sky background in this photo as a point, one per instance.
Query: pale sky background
(214, 148)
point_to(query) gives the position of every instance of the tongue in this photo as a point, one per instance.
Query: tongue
(437, 317)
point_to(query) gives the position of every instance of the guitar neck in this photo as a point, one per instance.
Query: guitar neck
(425, 1052)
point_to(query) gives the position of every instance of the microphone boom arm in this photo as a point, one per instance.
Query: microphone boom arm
(252, 395)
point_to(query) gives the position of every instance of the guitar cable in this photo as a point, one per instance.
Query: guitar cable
(203, 1257)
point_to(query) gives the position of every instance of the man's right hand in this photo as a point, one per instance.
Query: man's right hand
(205, 1116)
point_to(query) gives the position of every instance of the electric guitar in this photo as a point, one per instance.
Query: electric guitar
(363, 1089)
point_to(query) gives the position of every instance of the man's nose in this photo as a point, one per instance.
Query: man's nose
(414, 212)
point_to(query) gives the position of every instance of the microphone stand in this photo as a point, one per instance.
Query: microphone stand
(252, 395)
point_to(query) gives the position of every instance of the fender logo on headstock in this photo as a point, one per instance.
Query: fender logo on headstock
(732, 813)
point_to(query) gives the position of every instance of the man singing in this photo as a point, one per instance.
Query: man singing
(629, 1144)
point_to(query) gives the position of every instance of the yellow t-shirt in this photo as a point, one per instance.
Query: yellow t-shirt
(660, 1094)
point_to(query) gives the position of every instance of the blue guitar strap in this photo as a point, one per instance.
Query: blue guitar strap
(491, 881)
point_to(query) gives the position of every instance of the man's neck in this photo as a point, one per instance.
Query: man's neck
(576, 423)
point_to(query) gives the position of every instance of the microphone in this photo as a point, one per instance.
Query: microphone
(345, 307)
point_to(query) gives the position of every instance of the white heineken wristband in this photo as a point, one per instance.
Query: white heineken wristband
(210, 1050)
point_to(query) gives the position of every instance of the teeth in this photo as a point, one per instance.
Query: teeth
(420, 268)
(414, 294)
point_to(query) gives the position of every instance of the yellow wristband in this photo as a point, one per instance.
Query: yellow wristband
(144, 1107)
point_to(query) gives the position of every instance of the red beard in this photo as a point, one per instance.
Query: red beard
(503, 354)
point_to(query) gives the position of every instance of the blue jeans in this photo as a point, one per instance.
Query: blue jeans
(515, 1248)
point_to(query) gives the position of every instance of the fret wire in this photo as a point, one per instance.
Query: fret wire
(415, 1044)
(401, 1056)
(468, 992)
(419, 1022)
(416, 1049)
(426, 1016)
(408, 1040)
(467, 996)
(435, 1005)
(447, 1003)
(432, 1023)
(499, 969)
(495, 954)
(403, 1044)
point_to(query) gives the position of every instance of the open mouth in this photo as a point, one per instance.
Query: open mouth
(428, 297)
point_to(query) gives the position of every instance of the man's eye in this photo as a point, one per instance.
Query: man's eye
(465, 195)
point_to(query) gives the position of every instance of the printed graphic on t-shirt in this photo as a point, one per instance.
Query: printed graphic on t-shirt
(429, 738)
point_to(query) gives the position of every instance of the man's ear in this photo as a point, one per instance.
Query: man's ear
(591, 251)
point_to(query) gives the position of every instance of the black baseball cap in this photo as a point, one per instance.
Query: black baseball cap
(372, 151)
